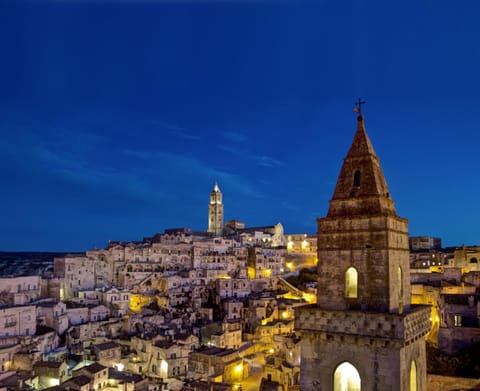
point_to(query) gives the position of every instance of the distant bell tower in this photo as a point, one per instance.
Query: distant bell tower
(215, 211)
(363, 333)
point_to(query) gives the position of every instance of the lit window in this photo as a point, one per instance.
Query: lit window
(458, 320)
(400, 289)
(351, 283)
(413, 376)
(346, 378)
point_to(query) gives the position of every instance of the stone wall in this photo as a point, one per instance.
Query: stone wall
(379, 369)
(353, 325)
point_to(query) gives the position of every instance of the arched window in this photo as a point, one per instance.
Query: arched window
(351, 283)
(400, 282)
(346, 378)
(400, 289)
(356, 178)
(413, 376)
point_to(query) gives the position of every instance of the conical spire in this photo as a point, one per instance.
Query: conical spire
(216, 188)
(361, 144)
(361, 187)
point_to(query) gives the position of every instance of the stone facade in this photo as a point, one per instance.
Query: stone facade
(363, 321)
(18, 320)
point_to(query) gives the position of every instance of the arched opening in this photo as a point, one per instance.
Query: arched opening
(356, 178)
(346, 378)
(413, 376)
(351, 283)
(473, 260)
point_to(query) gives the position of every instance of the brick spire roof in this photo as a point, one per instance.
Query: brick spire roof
(361, 187)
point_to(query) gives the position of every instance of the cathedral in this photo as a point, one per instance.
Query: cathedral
(215, 212)
(363, 333)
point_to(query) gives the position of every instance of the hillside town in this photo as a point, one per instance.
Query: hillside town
(185, 310)
(252, 308)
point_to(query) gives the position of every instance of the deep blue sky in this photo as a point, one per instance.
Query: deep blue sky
(117, 117)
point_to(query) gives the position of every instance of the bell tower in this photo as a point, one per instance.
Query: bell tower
(363, 333)
(215, 211)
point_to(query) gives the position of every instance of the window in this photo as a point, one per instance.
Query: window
(351, 283)
(457, 320)
(346, 378)
(413, 376)
(356, 178)
(400, 289)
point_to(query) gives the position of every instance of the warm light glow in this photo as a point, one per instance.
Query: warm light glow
(119, 366)
(289, 265)
(285, 314)
(351, 281)
(53, 381)
(268, 272)
(289, 245)
(346, 378)
(304, 245)
(271, 351)
(239, 368)
(163, 369)
(309, 298)
(413, 376)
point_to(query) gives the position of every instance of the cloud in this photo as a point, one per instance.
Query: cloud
(289, 206)
(234, 137)
(187, 136)
(188, 170)
(176, 130)
(268, 161)
(261, 160)
(230, 149)
(55, 157)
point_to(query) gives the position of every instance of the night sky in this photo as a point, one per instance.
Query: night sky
(117, 117)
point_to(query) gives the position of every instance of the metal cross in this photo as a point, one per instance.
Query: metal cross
(359, 104)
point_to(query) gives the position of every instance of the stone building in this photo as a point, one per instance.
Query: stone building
(220, 365)
(363, 333)
(424, 243)
(49, 373)
(265, 262)
(106, 353)
(18, 320)
(52, 313)
(215, 212)
(78, 272)
(19, 290)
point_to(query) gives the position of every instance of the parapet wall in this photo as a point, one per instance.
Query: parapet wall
(402, 328)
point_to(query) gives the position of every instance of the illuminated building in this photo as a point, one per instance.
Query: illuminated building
(363, 333)
(424, 243)
(215, 212)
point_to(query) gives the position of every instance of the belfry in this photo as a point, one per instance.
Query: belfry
(215, 211)
(363, 333)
